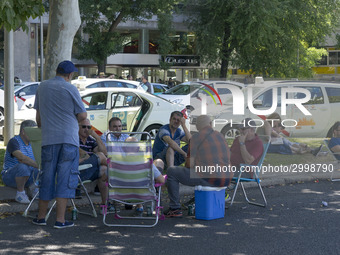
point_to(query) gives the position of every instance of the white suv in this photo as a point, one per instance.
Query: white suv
(324, 105)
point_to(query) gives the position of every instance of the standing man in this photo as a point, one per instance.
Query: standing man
(59, 109)
(146, 84)
(115, 125)
(167, 142)
(20, 168)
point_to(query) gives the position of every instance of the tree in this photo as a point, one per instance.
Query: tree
(100, 38)
(15, 13)
(64, 23)
(165, 45)
(268, 37)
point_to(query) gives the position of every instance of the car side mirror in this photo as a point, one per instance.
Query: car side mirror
(21, 94)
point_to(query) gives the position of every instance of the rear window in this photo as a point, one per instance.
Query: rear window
(333, 94)
(316, 95)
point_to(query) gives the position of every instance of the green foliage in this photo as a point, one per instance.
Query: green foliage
(165, 45)
(14, 13)
(268, 37)
(100, 20)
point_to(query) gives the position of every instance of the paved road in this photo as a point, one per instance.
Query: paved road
(295, 222)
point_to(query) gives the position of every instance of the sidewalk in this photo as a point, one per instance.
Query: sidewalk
(7, 203)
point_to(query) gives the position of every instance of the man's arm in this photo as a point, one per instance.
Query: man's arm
(24, 159)
(81, 116)
(247, 157)
(37, 118)
(336, 149)
(100, 144)
(174, 145)
(82, 155)
(187, 136)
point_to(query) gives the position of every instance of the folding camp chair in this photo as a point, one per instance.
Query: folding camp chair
(326, 142)
(256, 178)
(131, 181)
(34, 135)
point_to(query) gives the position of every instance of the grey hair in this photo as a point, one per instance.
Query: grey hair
(27, 123)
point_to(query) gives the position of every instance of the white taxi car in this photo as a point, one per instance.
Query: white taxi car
(139, 111)
(323, 106)
(83, 83)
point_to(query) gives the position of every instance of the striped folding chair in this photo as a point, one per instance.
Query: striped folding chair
(131, 181)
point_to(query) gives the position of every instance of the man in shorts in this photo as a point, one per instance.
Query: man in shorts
(59, 109)
(92, 151)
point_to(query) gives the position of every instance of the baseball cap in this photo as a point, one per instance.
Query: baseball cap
(66, 67)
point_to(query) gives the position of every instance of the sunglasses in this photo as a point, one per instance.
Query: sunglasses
(85, 126)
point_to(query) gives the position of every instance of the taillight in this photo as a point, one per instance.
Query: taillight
(184, 112)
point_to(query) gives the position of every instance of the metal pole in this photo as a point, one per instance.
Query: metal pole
(36, 33)
(9, 87)
(41, 49)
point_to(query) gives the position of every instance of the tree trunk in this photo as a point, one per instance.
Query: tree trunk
(101, 67)
(64, 23)
(226, 51)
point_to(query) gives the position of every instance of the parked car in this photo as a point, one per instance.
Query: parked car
(139, 111)
(323, 106)
(24, 96)
(191, 94)
(156, 88)
(83, 83)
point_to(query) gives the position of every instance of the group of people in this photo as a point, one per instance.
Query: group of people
(279, 144)
(68, 141)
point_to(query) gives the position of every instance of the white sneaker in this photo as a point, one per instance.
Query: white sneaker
(22, 198)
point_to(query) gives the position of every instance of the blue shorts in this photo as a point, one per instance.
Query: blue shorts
(59, 166)
(91, 173)
(179, 159)
(19, 170)
(280, 148)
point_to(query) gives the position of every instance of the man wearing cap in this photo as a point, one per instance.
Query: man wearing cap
(247, 148)
(59, 109)
(208, 150)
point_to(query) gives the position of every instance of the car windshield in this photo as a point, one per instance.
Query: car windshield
(182, 89)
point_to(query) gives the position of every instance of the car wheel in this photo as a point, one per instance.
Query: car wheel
(2, 117)
(230, 132)
(152, 130)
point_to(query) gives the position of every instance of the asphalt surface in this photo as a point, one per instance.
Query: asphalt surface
(294, 222)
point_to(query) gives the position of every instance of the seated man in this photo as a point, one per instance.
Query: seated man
(247, 148)
(157, 168)
(167, 142)
(20, 168)
(115, 125)
(334, 143)
(92, 151)
(208, 148)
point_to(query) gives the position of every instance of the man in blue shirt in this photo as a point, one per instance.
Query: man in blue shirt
(20, 169)
(59, 110)
(334, 143)
(167, 142)
(115, 125)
